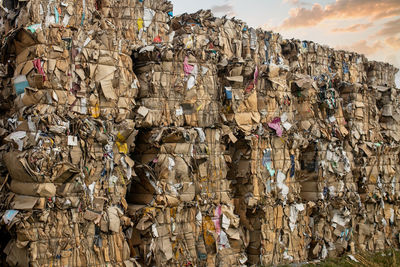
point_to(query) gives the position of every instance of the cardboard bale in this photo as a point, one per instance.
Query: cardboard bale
(177, 89)
(138, 23)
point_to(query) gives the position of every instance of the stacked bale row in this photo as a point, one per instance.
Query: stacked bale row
(230, 147)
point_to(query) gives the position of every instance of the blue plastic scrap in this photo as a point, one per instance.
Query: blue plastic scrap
(292, 167)
(20, 83)
(345, 68)
(266, 161)
(228, 92)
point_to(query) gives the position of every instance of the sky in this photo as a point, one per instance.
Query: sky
(369, 27)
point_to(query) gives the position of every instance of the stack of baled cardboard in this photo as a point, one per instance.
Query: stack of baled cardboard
(135, 138)
(69, 134)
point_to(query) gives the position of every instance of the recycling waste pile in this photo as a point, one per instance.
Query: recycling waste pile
(131, 137)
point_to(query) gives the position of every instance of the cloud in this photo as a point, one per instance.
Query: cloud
(293, 2)
(226, 9)
(354, 28)
(297, 2)
(393, 42)
(341, 9)
(303, 17)
(362, 47)
(390, 28)
(392, 59)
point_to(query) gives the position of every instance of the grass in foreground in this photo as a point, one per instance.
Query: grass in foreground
(388, 258)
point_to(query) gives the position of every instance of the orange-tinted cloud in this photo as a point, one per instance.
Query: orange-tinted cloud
(374, 9)
(362, 47)
(390, 28)
(393, 42)
(354, 28)
(303, 17)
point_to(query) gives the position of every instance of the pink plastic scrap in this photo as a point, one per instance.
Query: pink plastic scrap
(216, 219)
(186, 67)
(276, 125)
(38, 66)
(251, 86)
(256, 76)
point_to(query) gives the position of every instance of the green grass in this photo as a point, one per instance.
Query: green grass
(388, 258)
